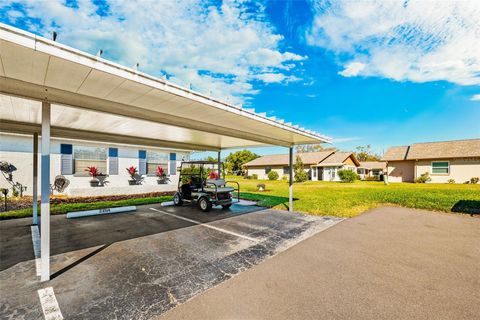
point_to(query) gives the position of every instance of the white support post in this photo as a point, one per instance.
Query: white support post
(219, 163)
(35, 179)
(45, 194)
(290, 179)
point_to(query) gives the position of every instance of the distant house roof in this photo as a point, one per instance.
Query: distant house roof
(308, 158)
(337, 159)
(373, 165)
(435, 150)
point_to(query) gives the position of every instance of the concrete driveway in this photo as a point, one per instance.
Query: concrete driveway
(139, 265)
(389, 263)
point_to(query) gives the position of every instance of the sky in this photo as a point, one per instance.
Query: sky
(379, 73)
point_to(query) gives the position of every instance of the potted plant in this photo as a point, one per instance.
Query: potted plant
(133, 172)
(162, 176)
(94, 173)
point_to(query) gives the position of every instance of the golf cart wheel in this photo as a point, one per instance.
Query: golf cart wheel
(204, 204)
(177, 199)
(226, 206)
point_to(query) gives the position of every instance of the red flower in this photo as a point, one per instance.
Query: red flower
(213, 175)
(160, 172)
(93, 171)
(132, 171)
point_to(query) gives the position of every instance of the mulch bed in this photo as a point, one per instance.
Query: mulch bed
(26, 201)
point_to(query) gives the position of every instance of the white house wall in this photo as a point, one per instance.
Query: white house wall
(17, 149)
(461, 170)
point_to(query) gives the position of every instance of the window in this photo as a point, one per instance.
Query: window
(89, 156)
(376, 172)
(155, 159)
(267, 170)
(286, 170)
(441, 167)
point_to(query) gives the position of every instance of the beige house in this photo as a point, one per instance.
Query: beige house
(327, 169)
(323, 165)
(445, 161)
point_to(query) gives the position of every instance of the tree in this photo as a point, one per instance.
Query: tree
(311, 148)
(298, 169)
(235, 161)
(365, 153)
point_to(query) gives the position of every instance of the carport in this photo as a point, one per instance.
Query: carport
(49, 89)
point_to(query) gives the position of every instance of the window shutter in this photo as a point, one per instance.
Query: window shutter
(112, 161)
(142, 162)
(66, 161)
(173, 164)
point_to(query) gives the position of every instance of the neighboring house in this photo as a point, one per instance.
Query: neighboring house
(372, 169)
(323, 165)
(279, 163)
(71, 157)
(447, 160)
(327, 169)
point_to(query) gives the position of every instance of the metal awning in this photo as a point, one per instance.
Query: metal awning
(100, 98)
(49, 89)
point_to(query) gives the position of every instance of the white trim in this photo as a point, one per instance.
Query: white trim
(206, 225)
(49, 303)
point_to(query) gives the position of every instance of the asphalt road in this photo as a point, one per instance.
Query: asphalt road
(389, 263)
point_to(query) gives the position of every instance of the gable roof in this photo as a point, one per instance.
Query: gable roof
(435, 150)
(373, 164)
(282, 159)
(337, 159)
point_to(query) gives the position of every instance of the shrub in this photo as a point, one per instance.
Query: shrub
(373, 178)
(347, 175)
(247, 177)
(474, 180)
(450, 181)
(300, 174)
(273, 175)
(285, 177)
(425, 177)
(255, 176)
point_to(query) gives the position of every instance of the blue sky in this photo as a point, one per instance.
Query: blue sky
(378, 73)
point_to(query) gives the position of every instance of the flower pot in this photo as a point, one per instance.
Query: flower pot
(94, 183)
(132, 182)
(161, 181)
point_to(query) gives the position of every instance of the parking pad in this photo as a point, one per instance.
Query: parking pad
(138, 265)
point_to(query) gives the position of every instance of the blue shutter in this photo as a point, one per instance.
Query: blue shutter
(112, 161)
(142, 162)
(66, 161)
(173, 164)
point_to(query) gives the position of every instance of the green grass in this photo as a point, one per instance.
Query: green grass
(350, 199)
(71, 207)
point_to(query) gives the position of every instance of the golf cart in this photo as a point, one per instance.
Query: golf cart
(200, 183)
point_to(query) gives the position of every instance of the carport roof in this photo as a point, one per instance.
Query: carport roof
(95, 99)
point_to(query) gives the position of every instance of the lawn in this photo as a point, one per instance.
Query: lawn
(70, 207)
(350, 199)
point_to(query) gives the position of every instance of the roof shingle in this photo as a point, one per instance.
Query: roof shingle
(435, 150)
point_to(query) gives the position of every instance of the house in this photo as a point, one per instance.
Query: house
(444, 161)
(327, 169)
(322, 165)
(372, 169)
(70, 158)
(279, 163)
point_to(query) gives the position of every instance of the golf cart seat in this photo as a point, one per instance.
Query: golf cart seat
(220, 183)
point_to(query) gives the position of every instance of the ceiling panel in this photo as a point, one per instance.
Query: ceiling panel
(99, 84)
(65, 75)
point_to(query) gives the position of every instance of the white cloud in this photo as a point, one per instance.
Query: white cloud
(352, 69)
(222, 49)
(402, 40)
(475, 97)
